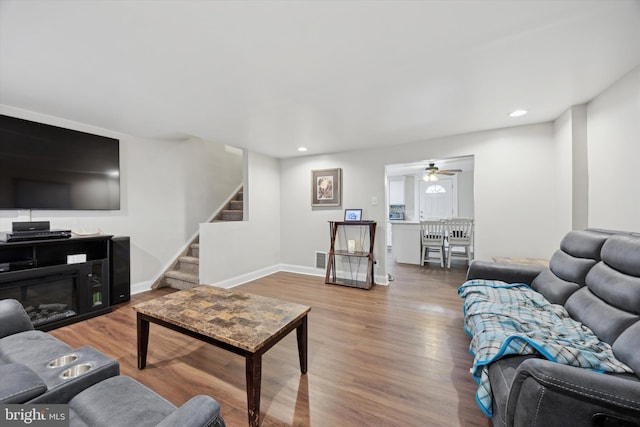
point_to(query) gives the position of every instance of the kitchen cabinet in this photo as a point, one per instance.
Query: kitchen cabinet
(406, 242)
(396, 190)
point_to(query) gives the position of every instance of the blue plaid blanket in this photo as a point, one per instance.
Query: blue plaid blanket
(505, 319)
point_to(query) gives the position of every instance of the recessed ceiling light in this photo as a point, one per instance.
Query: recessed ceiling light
(518, 113)
(302, 149)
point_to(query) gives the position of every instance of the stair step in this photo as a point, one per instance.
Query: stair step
(181, 280)
(189, 264)
(236, 205)
(189, 259)
(231, 215)
(194, 249)
(176, 274)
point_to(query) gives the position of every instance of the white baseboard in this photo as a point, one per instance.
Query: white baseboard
(312, 271)
(244, 278)
(141, 287)
(309, 271)
(254, 275)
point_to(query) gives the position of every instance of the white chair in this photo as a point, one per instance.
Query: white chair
(460, 234)
(432, 234)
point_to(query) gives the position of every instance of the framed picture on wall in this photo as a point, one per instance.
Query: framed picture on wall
(326, 187)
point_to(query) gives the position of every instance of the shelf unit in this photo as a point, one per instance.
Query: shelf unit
(351, 266)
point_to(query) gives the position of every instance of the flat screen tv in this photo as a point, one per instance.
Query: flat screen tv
(49, 167)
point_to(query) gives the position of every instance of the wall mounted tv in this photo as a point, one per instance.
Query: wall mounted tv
(49, 167)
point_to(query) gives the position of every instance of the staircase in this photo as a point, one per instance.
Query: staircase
(233, 211)
(184, 271)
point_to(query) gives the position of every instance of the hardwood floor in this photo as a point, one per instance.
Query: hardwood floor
(391, 356)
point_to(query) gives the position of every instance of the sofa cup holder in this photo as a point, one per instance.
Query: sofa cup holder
(62, 361)
(75, 371)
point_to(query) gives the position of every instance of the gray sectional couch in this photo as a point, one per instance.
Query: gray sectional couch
(595, 276)
(35, 367)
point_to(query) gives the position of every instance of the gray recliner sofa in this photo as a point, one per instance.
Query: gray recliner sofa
(35, 367)
(595, 275)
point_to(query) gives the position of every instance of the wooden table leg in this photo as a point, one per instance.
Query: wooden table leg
(143, 341)
(301, 332)
(254, 375)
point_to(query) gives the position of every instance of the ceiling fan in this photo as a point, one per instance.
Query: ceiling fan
(432, 172)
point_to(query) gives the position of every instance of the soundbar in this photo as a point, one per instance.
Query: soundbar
(23, 236)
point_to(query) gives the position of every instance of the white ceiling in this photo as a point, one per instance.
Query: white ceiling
(330, 75)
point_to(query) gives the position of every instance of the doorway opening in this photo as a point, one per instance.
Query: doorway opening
(440, 188)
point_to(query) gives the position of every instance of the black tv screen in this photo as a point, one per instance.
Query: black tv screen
(49, 167)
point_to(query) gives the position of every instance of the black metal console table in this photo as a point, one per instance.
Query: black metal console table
(351, 254)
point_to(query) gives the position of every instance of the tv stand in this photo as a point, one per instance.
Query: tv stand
(57, 281)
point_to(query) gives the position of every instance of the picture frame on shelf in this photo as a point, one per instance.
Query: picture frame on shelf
(353, 215)
(326, 187)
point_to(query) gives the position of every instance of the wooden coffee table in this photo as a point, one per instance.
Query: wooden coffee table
(242, 323)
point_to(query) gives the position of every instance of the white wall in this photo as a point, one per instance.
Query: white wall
(514, 198)
(613, 132)
(580, 172)
(167, 189)
(411, 202)
(231, 251)
(562, 166)
(465, 194)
